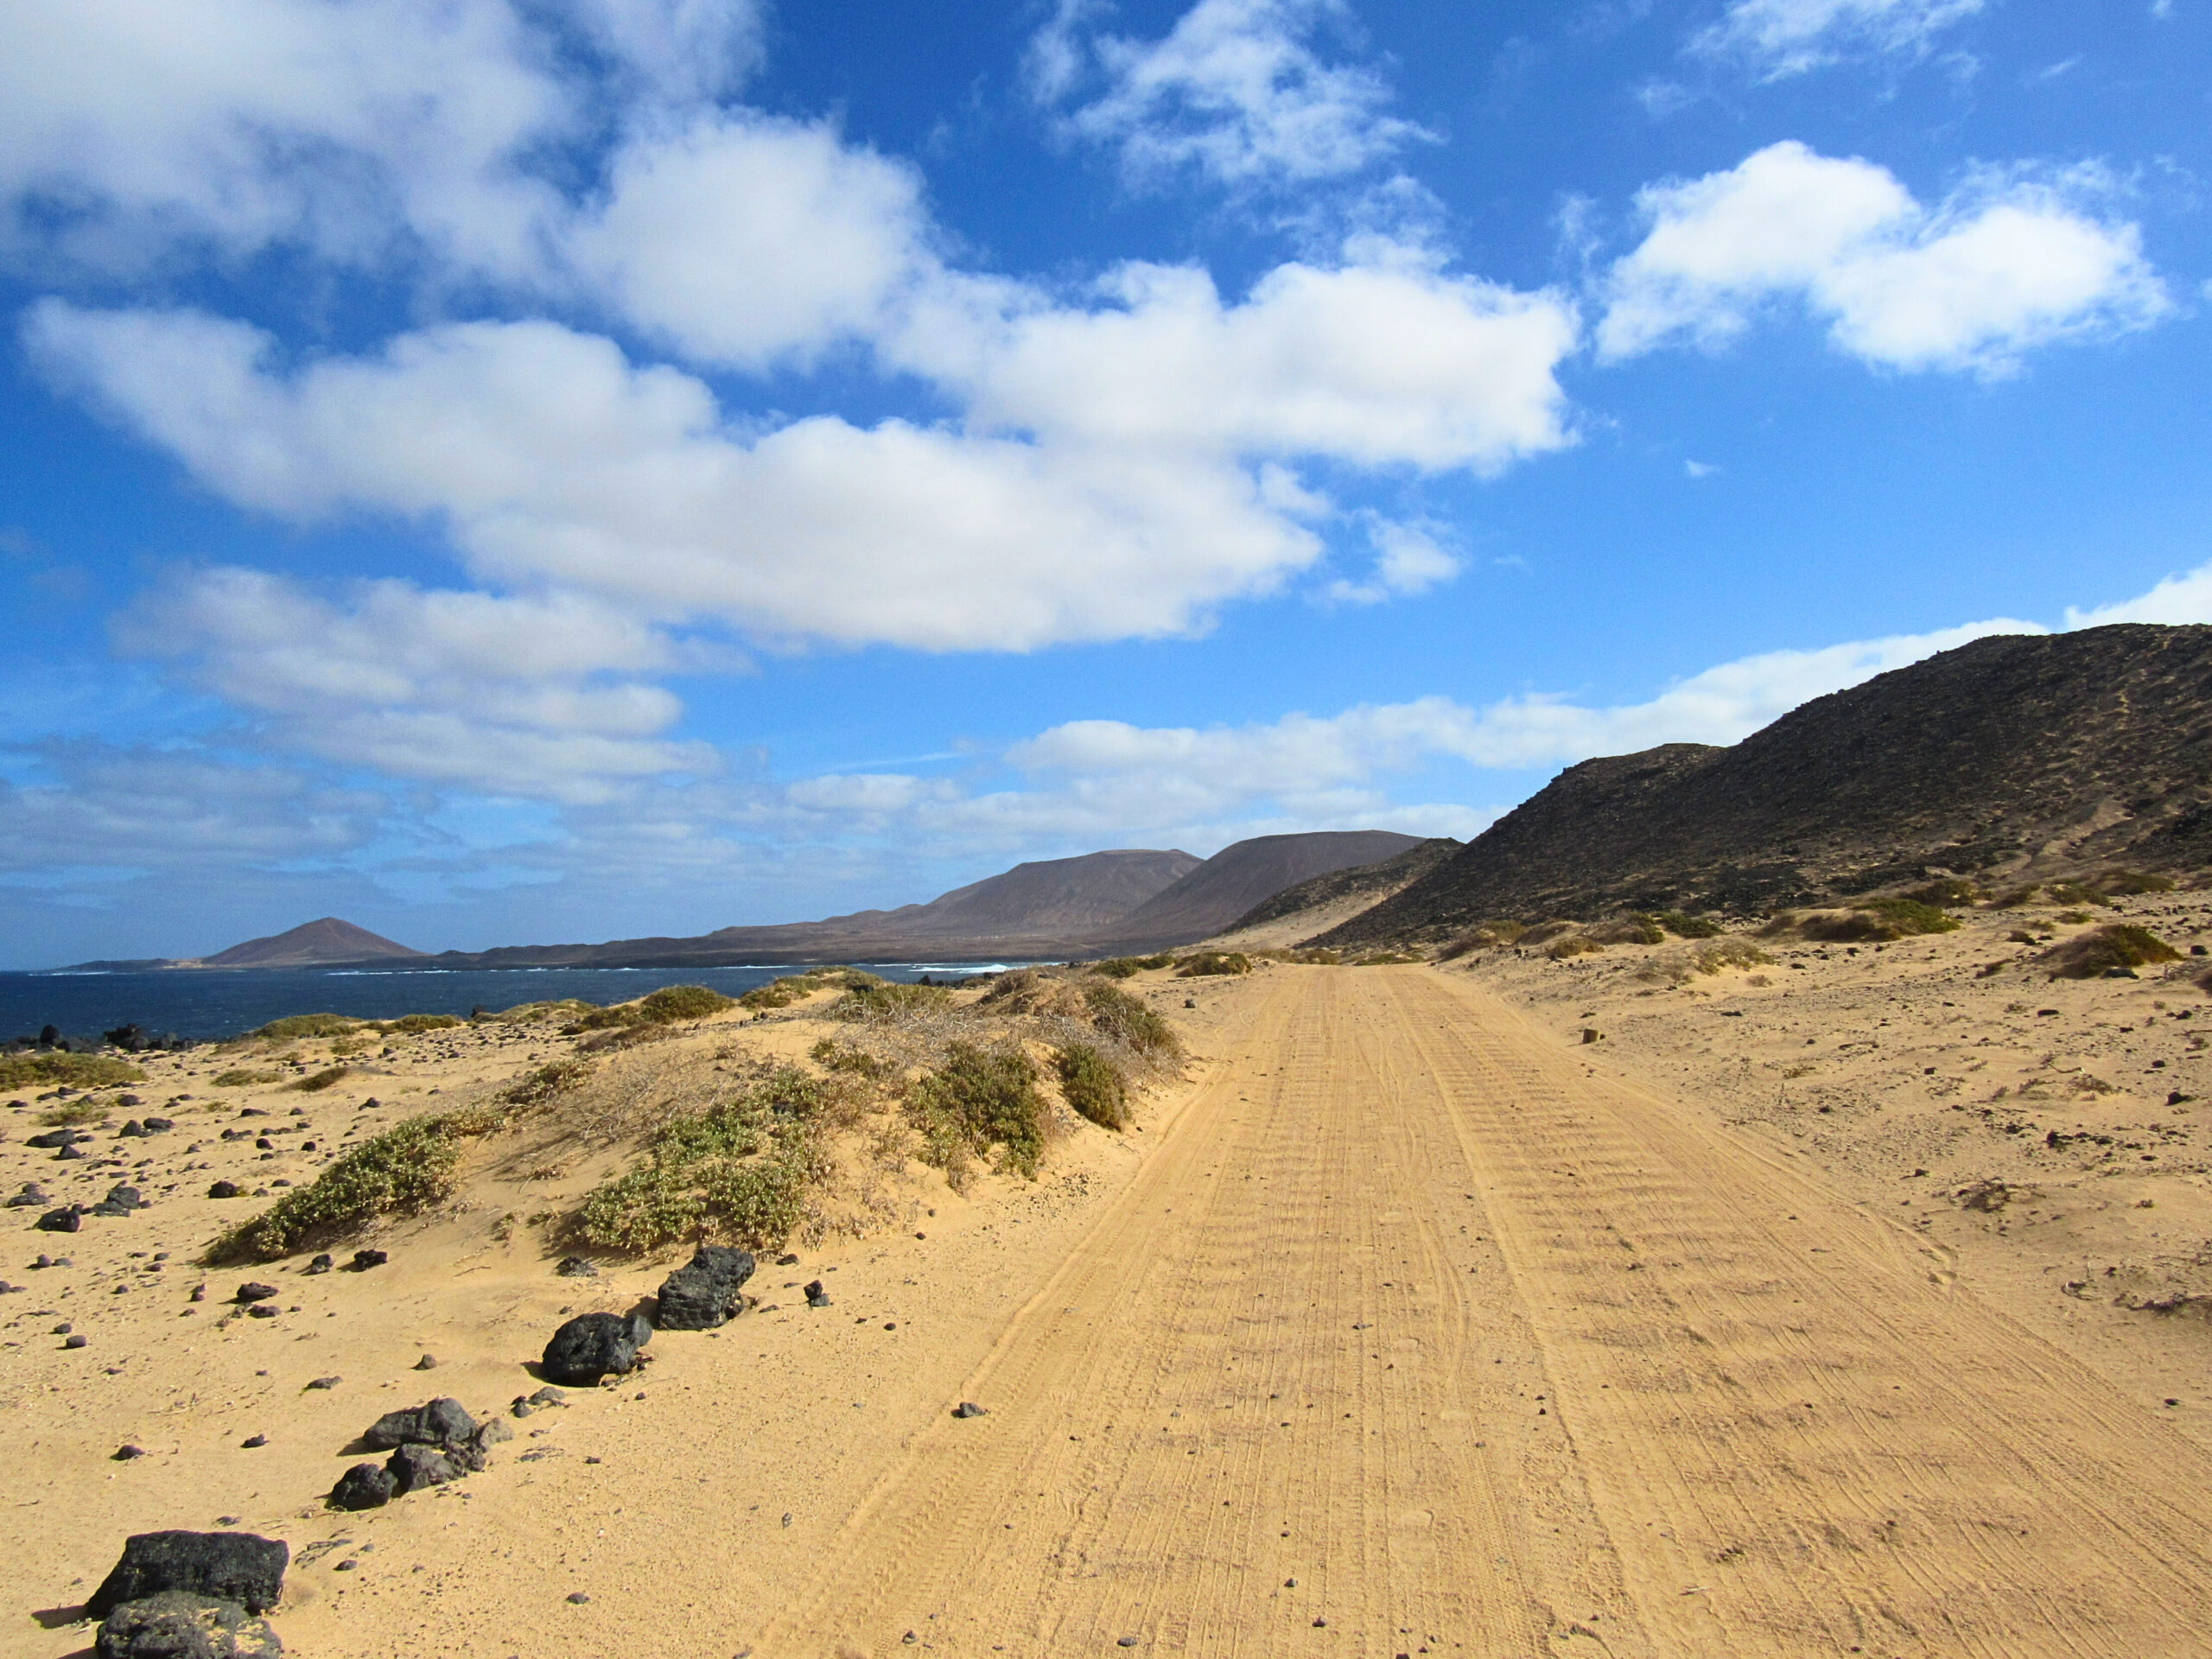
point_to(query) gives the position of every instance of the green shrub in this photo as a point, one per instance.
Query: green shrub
(2118, 946)
(978, 1099)
(1684, 925)
(322, 1080)
(1093, 1084)
(55, 1066)
(1630, 930)
(294, 1027)
(884, 1000)
(2072, 917)
(739, 1171)
(1210, 962)
(1115, 967)
(2075, 892)
(672, 1003)
(567, 1009)
(2013, 898)
(1575, 945)
(1125, 1019)
(407, 1168)
(781, 993)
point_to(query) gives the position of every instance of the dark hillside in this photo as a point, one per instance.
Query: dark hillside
(1373, 883)
(2015, 755)
(1238, 877)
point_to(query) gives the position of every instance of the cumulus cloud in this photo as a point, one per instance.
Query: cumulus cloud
(504, 695)
(1781, 38)
(2004, 265)
(2177, 599)
(1237, 92)
(1103, 491)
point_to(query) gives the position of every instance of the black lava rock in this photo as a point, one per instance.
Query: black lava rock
(442, 1422)
(575, 1267)
(177, 1625)
(226, 1190)
(365, 1486)
(817, 1295)
(158, 1125)
(236, 1567)
(253, 1292)
(30, 1196)
(705, 1294)
(363, 1260)
(969, 1408)
(60, 1221)
(322, 1264)
(593, 1345)
(54, 1138)
(413, 1466)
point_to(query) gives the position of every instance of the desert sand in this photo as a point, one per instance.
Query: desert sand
(1406, 1321)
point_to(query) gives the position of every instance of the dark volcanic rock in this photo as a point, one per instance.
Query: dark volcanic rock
(414, 1466)
(2015, 758)
(60, 1221)
(365, 1486)
(176, 1624)
(235, 1567)
(226, 1190)
(593, 1345)
(252, 1291)
(442, 1422)
(54, 1138)
(363, 1260)
(707, 1291)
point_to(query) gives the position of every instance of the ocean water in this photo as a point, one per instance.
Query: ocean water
(213, 1004)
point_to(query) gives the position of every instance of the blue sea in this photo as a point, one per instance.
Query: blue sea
(206, 1003)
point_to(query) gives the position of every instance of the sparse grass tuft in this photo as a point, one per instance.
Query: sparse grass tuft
(833, 1056)
(407, 1168)
(781, 993)
(2134, 881)
(1683, 926)
(886, 1002)
(1630, 930)
(1093, 1084)
(2073, 917)
(1575, 945)
(555, 1077)
(2075, 892)
(321, 1080)
(1488, 937)
(69, 1116)
(977, 1099)
(1128, 967)
(1209, 963)
(1877, 920)
(411, 1024)
(2116, 947)
(1947, 890)
(54, 1065)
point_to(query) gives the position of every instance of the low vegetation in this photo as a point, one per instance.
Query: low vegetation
(1490, 935)
(1093, 1085)
(57, 1066)
(1684, 925)
(738, 1170)
(295, 1027)
(1870, 920)
(319, 1081)
(1125, 1020)
(835, 1057)
(69, 1114)
(1209, 963)
(1629, 930)
(1947, 890)
(2118, 947)
(411, 1025)
(240, 1078)
(1575, 945)
(1129, 967)
(980, 1098)
(405, 1169)
(886, 1002)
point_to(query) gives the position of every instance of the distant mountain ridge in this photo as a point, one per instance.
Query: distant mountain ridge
(1321, 901)
(2007, 759)
(1225, 887)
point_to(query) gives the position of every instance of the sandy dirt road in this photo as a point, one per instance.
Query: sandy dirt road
(1414, 1336)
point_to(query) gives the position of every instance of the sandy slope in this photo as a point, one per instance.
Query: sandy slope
(1492, 1342)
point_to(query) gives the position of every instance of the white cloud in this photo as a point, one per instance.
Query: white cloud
(503, 696)
(1236, 91)
(1116, 501)
(742, 239)
(2004, 266)
(2177, 599)
(1782, 38)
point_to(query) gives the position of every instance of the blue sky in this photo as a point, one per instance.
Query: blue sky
(520, 470)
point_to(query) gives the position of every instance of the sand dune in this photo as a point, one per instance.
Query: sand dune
(1407, 1321)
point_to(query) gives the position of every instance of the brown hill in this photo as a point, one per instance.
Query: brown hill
(1045, 908)
(2013, 756)
(1239, 876)
(311, 945)
(1321, 901)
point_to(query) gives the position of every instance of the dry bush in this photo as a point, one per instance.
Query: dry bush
(1869, 920)
(1575, 945)
(2118, 947)
(891, 1004)
(1128, 967)
(243, 1079)
(1544, 933)
(297, 1026)
(1684, 925)
(1684, 963)
(411, 1024)
(781, 993)
(321, 1080)
(1207, 963)
(1629, 929)
(1127, 1021)
(624, 1036)
(57, 1065)
(2134, 881)
(1946, 890)
(1490, 936)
